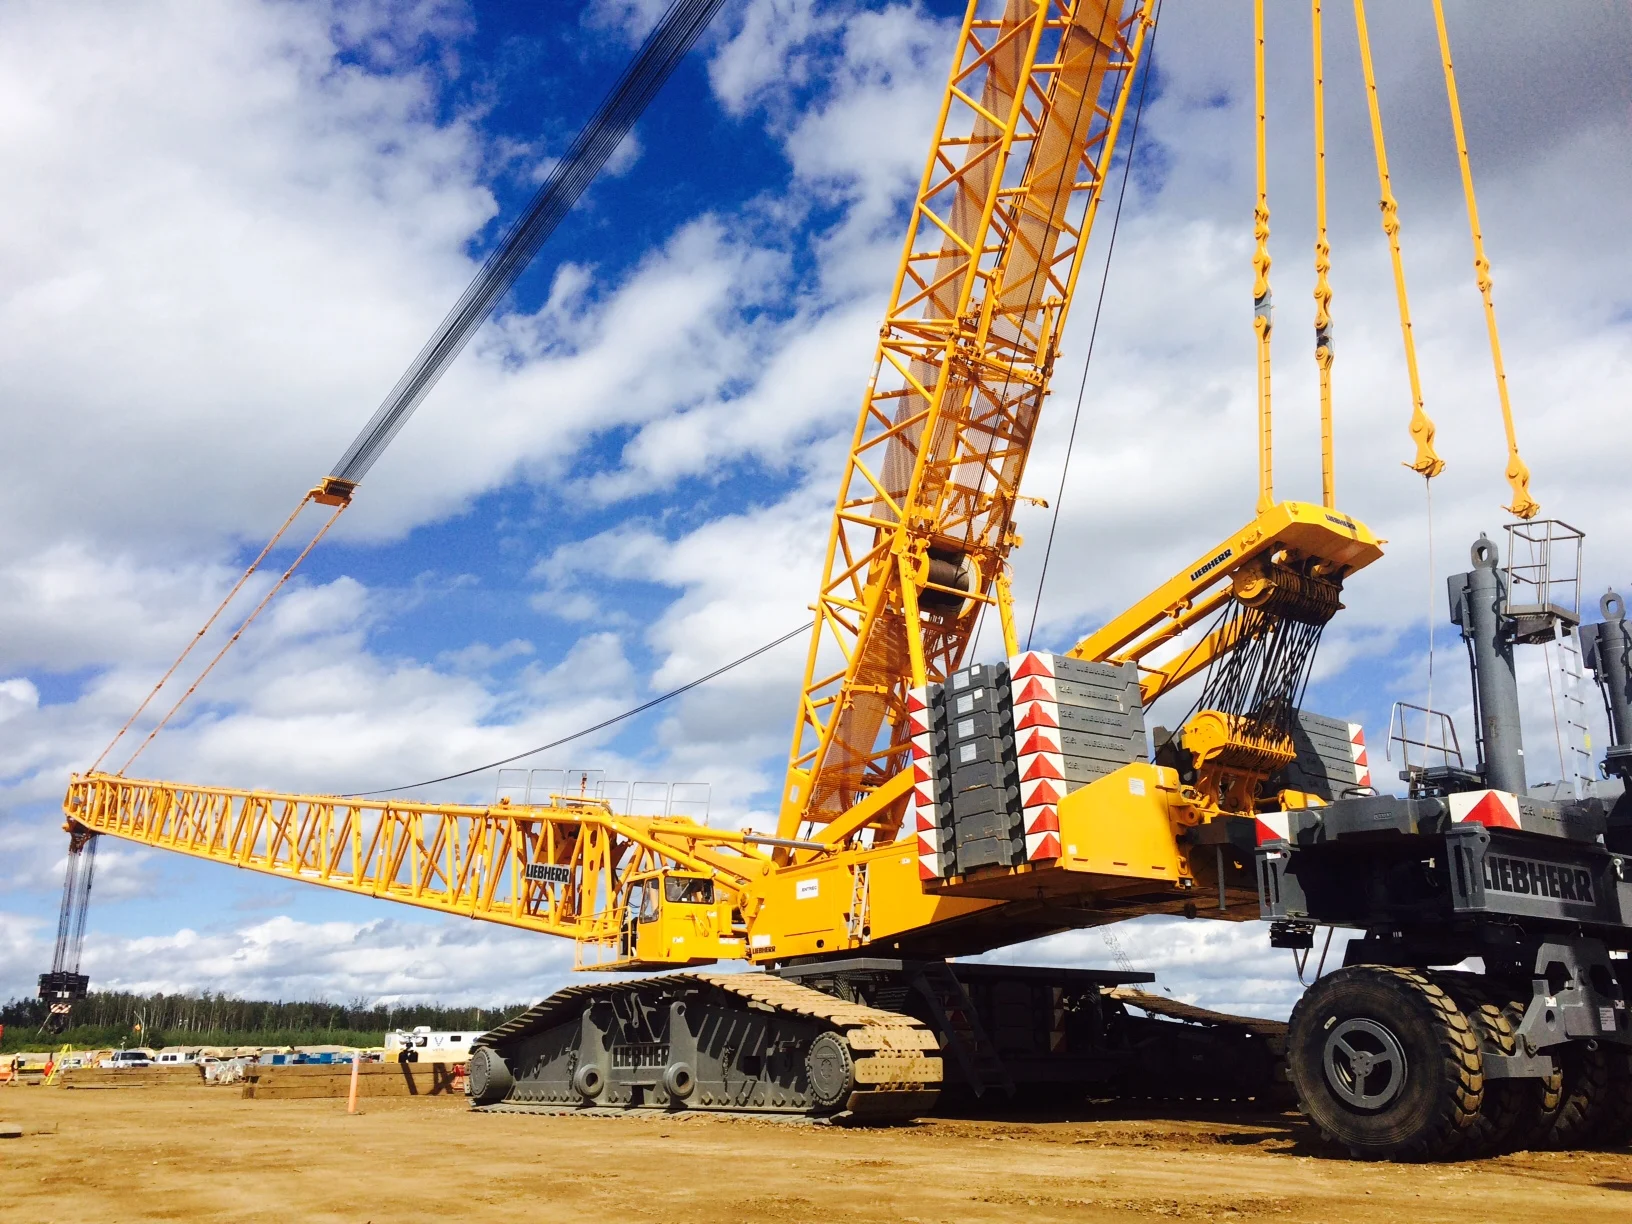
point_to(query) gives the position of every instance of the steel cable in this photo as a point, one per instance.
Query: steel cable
(662, 51)
(1093, 331)
(667, 44)
(600, 726)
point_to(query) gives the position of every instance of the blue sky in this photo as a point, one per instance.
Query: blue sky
(227, 235)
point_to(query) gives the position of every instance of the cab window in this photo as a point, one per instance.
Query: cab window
(643, 901)
(689, 890)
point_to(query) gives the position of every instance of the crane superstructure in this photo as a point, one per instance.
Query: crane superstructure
(934, 806)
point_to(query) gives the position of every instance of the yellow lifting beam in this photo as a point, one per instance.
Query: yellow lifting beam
(1336, 544)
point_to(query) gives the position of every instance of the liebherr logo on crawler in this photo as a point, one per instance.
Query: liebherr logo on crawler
(1212, 565)
(1529, 878)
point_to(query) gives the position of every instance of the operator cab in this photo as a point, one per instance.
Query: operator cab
(674, 918)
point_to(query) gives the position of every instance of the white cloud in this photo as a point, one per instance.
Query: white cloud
(17, 697)
(386, 959)
(1225, 966)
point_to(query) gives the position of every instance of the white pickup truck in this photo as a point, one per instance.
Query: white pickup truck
(128, 1058)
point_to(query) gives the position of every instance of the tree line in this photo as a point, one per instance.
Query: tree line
(111, 1017)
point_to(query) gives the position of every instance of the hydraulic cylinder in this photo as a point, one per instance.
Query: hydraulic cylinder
(1478, 600)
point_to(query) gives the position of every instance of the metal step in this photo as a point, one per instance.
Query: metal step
(1570, 714)
(955, 1016)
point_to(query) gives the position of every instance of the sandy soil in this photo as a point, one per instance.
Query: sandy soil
(206, 1154)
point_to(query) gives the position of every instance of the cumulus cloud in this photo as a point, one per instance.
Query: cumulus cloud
(386, 959)
(1225, 966)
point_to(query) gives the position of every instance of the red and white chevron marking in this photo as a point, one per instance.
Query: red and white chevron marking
(1273, 826)
(1357, 751)
(1037, 746)
(1492, 808)
(921, 815)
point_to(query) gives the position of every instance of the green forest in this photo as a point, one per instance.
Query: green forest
(111, 1019)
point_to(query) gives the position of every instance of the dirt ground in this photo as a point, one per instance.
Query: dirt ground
(201, 1153)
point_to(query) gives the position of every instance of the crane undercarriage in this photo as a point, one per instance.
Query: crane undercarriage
(871, 1040)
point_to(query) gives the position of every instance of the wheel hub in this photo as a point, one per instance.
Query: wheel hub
(1364, 1063)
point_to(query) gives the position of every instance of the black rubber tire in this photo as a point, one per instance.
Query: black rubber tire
(1503, 1104)
(1539, 1099)
(490, 1080)
(1581, 1117)
(1434, 1081)
(830, 1070)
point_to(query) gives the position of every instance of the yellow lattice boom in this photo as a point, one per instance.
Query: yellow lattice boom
(923, 526)
(572, 867)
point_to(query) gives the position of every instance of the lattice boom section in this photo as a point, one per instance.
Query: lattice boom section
(1029, 123)
(562, 871)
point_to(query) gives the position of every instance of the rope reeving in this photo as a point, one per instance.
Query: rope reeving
(1262, 301)
(1324, 351)
(669, 41)
(1518, 475)
(1427, 462)
(657, 58)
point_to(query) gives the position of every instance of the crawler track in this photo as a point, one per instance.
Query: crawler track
(717, 1042)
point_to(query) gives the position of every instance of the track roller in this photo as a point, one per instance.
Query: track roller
(488, 1078)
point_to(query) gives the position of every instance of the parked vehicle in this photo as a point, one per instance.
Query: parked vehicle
(124, 1059)
(422, 1045)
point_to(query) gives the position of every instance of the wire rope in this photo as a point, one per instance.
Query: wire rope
(1093, 330)
(668, 43)
(600, 726)
(1427, 461)
(1518, 475)
(657, 58)
(199, 636)
(1067, 165)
